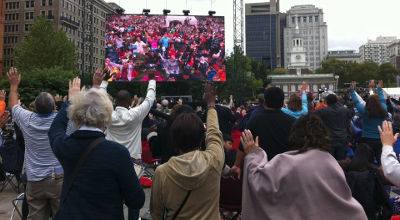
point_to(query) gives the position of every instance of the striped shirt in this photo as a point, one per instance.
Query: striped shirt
(40, 161)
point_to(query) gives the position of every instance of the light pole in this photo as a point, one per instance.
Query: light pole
(337, 82)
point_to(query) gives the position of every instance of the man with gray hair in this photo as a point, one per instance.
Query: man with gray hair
(44, 172)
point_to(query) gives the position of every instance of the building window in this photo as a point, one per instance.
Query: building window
(50, 2)
(304, 19)
(43, 2)
(293, 88)
(32, 4)
(44, 13)
(27, 4)
(316, 18)
(50, 13)
(285, 87)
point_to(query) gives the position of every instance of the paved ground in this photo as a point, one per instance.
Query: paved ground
(8, 195)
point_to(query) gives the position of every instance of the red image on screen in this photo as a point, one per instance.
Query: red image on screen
(174, 48)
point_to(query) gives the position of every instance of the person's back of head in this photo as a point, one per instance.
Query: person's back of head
(374, 107)
(309, 132)
(44, 103)
(295, 103)
(164, 103)
(123, 99)
(91, 108)
(260, 99)
(363, 158)
(396, 118)
(274, 97)
(187, 132)
(331, 99)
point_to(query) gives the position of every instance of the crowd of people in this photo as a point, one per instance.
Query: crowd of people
(175, 48)
(276, 160)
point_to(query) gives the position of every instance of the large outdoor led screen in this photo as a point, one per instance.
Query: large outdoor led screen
(174, 48)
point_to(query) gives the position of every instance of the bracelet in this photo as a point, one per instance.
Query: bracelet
(210, 106)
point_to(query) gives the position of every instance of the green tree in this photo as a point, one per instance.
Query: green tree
(45, 47)
(279, 71)
(51, 80)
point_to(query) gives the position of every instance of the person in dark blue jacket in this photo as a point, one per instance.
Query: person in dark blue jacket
(107, 178)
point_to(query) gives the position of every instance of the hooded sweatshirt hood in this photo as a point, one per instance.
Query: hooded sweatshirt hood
(189, 171)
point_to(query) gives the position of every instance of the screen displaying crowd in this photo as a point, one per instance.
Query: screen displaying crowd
(174, 48)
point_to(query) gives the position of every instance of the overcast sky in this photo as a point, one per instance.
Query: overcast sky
(350, 22)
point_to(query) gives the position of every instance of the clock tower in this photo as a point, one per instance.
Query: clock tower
(297, 52)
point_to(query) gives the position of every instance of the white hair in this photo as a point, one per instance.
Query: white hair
(90, 108)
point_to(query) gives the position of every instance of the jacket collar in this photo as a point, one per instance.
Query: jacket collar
(87, 134)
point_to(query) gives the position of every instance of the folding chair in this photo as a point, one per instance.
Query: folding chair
(230, 201)
(9, 154)
(148, 161)
(15, 205)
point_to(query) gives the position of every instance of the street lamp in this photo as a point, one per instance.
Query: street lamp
(337, 82)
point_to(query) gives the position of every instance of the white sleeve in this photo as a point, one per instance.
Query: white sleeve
(390, 165)
(104, 85)
(143, 109)
(362, 102)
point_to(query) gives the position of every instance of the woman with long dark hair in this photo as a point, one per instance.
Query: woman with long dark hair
(305, 183)
(373, 114)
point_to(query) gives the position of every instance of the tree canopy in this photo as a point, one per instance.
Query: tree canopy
(360, 72)
(45, 47)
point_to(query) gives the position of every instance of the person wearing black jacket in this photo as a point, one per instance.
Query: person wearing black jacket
(271, 125)
(337, 118)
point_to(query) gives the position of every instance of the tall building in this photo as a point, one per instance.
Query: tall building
(264, 33)
(2, 11)
(313, 30)
(348, 56)
(376, 50)
(394, 53)
(68, 15)
(298, 55)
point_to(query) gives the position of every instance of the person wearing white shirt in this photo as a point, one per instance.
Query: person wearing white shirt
(390, 164)
(126, 125)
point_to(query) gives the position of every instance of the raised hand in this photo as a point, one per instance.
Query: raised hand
(74, 87)
(386, 132)
(380, 84)
(248, 142)
(2, 95)
(13, 77)
(353, 85)
(58, 98)
(304, 87)
(65, 98)
(98, 78)
(210, 94)
(371, 84)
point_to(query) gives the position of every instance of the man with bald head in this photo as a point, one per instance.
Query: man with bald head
(126, 126)
(44, 172)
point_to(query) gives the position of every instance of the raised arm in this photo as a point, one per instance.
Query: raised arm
(390, 164)
(381, 96)
(15, 79)
(304, 101)
(143, 109)
(359, 106)
(57, 132)
(213, 135)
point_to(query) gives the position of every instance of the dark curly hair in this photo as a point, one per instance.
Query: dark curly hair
(374, 107)
(309, 132)
(295, 103)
